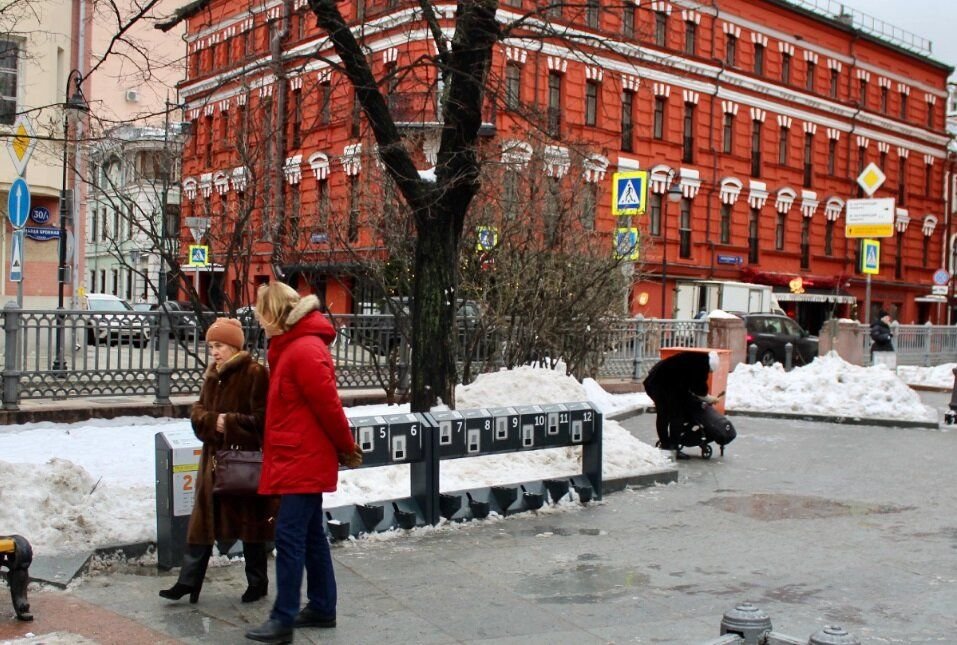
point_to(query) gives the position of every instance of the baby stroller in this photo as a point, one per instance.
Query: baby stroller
(678, 385)
(704, 425)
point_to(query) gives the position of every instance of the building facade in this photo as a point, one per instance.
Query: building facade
(135, 194)
(39, 44)
(762, 114)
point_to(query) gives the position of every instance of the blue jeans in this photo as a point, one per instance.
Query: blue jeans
(301, 541)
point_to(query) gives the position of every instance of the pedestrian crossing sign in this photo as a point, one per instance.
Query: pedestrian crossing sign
(870, 257)
(198, 255)
(487, 238)
(629, 192)
(626, 244)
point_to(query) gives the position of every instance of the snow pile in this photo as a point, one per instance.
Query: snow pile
(68, 487)
(828, 386)
(941, 376)
(60, 506)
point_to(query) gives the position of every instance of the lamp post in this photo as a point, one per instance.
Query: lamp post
(76, 104)
(674, 195)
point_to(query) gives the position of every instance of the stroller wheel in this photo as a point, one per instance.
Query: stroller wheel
(706, 452)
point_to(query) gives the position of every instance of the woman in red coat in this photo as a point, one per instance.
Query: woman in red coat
(307, 436)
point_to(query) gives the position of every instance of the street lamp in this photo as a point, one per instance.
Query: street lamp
(674, 195)
(77, 105)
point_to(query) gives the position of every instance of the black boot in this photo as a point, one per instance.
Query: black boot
(252, 594)
(256, 580)
(179, 590)
(191, 575)
(271, 631)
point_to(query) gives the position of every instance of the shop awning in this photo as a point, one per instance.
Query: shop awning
(815, 297)
(930, 299)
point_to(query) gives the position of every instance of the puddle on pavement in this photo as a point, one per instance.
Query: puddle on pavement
(584, 582)
(780, 506)
(557, 531)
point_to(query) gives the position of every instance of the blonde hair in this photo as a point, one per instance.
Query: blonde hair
(274, 302)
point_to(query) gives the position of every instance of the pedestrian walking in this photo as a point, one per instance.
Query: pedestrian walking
(881, 333)
(882, 346)
(307, 438)
(230, 412)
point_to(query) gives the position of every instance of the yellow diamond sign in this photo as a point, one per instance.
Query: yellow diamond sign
(21, 144)
(871, 178)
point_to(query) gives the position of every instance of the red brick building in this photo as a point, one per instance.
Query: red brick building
(763, 113)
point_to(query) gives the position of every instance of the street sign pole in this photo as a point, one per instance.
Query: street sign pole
(867, 300)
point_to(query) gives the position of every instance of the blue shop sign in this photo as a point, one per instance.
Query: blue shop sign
(42, 233)
(730, 259)
(40, 214)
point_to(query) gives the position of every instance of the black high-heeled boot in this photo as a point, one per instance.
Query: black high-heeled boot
(179, 590)
(254, 593)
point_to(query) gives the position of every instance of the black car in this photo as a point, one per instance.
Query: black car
(183, 321)
(381, 334)
(770, 332)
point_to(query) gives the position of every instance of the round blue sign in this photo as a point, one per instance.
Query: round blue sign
(40, 215)
(941, 277)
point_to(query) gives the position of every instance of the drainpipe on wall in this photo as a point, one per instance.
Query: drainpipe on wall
(714, 152)
(279, 138)
(850, 139)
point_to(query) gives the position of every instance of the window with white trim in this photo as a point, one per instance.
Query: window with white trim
(9, 57)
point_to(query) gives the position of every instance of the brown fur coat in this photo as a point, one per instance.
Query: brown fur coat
(238, 391)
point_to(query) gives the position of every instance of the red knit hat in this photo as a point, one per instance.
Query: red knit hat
(228, 331)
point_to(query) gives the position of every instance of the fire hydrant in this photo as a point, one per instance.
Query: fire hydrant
(16, 555)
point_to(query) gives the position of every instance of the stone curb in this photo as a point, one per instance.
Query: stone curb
(820, 418)
(59, 570)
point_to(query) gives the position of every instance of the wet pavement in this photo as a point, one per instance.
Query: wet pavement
(816, 523)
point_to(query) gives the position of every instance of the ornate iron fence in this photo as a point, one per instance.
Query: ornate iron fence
(51, 354)
(636, 344)
(923, 345)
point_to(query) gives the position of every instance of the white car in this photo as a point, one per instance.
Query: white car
(113, 319)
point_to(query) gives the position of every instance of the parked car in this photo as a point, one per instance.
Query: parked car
(382, 335)
(184, 324)
(255, 336)
(770, 332)
(113, 319)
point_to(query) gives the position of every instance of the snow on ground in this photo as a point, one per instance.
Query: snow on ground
(74, 486)
(938, 376)
(828, 386)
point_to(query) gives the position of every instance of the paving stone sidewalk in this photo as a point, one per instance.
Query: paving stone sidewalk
(817, 523)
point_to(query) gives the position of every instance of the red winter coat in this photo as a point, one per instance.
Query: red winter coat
(305, 425)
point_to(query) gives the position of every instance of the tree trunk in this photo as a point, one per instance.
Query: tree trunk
(433, 313)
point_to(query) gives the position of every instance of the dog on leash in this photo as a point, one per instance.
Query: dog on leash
(16, 555)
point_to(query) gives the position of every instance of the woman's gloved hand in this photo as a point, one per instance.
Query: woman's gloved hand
(351, 459)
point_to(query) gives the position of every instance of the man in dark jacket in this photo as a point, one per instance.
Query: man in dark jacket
(881, 333)
(673, 383)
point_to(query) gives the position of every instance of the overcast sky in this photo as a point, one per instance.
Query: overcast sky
(933, 19)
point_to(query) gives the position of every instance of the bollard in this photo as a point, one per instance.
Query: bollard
(748, 622)
(788, 356)
(951, 415)
(833, 635)
(11, 373)
(752, 354)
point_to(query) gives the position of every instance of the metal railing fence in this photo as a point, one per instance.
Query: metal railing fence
(636, 344)
(923, 345)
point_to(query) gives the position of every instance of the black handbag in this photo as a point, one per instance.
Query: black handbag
(237, 472)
